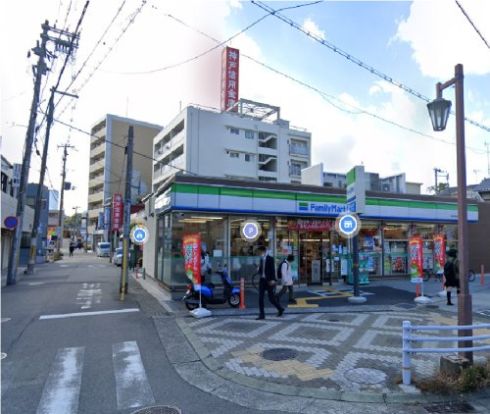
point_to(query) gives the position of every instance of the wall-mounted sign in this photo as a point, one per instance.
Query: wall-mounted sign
(140, 234)
(117, 212)
(229, 77)
(356, 190)
(348, 225)
(250, 230)
(10, 222)
(322, 208)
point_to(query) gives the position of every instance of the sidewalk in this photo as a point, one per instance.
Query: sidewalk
(328, 354)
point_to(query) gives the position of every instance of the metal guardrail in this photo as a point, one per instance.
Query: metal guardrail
(408, 339)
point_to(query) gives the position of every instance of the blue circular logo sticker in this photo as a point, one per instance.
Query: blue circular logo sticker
(250, 230)
(348, 225)
(140, 235)
(10, 222)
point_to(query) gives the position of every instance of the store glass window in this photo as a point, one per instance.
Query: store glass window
(212, 231)
(370, 247)
(395, 248)
(243, 254)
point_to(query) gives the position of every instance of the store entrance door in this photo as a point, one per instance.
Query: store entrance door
(312, 247)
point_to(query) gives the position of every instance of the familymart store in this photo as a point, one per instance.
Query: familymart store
(292, 219)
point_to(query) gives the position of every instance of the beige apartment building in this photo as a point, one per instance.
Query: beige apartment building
(107, 167)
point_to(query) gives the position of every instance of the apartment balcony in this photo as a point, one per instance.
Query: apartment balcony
(92, 198)
(267, 140)
(98, 165)
(99, 149)
(96, 181)
(298, 151)
(165, 149)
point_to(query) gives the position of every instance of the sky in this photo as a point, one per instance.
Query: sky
(138, 70)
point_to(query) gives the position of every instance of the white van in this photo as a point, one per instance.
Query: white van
(103, 249)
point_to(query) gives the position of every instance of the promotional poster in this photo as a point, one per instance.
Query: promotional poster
(416, 259)
(192, 257)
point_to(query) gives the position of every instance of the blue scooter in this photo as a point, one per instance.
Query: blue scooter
(231, 294)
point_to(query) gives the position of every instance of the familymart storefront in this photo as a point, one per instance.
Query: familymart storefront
(293, 219)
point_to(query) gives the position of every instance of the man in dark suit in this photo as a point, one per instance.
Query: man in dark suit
(267, 274)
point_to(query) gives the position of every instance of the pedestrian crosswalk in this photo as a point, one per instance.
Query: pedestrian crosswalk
(61, 391)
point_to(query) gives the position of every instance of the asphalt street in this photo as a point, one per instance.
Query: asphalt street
(72, 346)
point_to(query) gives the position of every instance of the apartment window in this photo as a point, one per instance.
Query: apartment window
(248, 157)
(249, 134)
(4, 182)
(234, 131)
(234, 154)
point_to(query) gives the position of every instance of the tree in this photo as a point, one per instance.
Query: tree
(440, 187)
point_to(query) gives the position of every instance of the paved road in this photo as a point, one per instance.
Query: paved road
(58, 362)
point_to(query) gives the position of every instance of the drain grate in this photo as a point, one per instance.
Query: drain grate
(334, 320)
(279, 354)
(159, 409)
(449, 408)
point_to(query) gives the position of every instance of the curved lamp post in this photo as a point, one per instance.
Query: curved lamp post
(439, 112)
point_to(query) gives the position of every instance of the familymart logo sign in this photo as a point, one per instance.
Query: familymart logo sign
(321, 208)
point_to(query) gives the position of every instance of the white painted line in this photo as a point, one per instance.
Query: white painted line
(73, 315)
(3, 355)
(62, 388)
(90, 293)
(5, 320)
(132, 387)
(35, 283)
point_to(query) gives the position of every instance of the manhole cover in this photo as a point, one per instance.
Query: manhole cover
(449, 408)
(160, 409)
(365, 375)
(3, 355)
(279, 354)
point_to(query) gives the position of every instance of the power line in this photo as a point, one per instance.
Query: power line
(472, 24)
(354, 59)
(118, 145)
(328, 97)
(130, 22)
(174, 65)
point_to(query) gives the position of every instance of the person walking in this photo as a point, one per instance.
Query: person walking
(451, 273)
(267, 283)
(71, 247)
(286, 280)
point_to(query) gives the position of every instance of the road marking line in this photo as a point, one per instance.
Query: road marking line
(90, 293)
(72, 315)
(132, 387)
(62, 389)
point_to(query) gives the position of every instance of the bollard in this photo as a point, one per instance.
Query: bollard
(482, 275)
(242, 293)
(144, 274)
(406, 372)
(417, 290)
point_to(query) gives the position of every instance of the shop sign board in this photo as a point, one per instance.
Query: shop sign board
(416, 259)
(140, 234)
(348, 225)
(439, 253)
(191, 245)
(356, 190)
(250, 230)
(310, 225)
(229, 77)
(10, 222)
(318, 207)
(117, 212)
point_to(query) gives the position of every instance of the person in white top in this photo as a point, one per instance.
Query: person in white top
(287, 279)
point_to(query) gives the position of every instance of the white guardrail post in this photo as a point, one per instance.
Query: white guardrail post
(406, 369)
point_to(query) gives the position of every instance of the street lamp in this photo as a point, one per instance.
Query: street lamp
(439, 112)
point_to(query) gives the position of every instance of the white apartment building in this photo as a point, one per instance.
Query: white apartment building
(107, 164)
(249, 142)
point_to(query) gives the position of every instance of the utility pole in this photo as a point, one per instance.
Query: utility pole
(123, 288)
(39, 70)
(438, 172)
(63, 177)
(487, 144)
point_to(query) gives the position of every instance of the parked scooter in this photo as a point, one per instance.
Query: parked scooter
(231, 294)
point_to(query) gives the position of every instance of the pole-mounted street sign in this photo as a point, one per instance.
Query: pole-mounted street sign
(140, 235)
